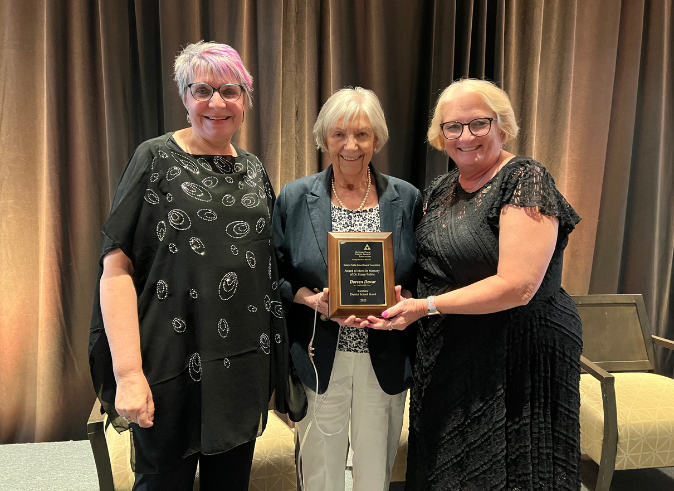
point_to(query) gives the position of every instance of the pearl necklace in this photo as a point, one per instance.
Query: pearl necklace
(362, 203)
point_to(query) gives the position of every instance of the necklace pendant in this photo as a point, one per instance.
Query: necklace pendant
(362, 203)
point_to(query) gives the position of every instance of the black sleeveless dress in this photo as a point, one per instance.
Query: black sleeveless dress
(495, 402)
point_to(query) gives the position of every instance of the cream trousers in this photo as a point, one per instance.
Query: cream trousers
(376, 420)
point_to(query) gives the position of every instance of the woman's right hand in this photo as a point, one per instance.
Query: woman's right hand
(134, 399)
(306, 297)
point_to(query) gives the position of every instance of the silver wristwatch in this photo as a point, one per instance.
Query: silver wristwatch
(432, 309)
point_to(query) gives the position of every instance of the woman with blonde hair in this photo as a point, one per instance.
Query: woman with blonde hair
(496, 400)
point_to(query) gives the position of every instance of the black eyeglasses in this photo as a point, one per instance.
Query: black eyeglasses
(452, 130)
(202, 92)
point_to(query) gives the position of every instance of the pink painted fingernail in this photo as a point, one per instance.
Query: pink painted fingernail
(384, 315)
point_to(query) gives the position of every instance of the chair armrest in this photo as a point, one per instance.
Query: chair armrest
(95, 421)
(285, 418)
(596, 371)
(665, 343)
(99, 447)
(609, 446)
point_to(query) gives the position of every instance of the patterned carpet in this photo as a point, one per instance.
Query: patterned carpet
(69, 466)
(630, 480)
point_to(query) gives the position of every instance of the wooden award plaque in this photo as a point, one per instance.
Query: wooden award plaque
(360, 273)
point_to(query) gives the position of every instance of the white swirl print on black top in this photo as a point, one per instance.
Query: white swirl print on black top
(222, 164)
(162, 290)
(161, 230)
(172, 173)
(207, 214)
(195, 367)
(179, 325)
(265, 345)
(273, 306)
(151, 197)
(227, 287)
(223, 328)
(204, 163)
(250, 200)
(186, 163)
(237, 229)
(250, 258)
(196, 191)
(197, 246)
(179, 220)
(210, 181)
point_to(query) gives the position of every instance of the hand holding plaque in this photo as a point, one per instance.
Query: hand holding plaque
(360, 273)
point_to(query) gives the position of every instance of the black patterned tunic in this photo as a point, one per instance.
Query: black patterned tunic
(495, 401)
(213, 340)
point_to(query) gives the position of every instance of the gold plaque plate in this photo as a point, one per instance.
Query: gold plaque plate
(360, 273)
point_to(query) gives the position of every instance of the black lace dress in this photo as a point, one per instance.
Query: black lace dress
(495, 402)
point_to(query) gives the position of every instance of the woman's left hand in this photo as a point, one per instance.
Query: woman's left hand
(402, 314)
(351, 321)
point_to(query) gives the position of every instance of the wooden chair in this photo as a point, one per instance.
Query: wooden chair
(626, 416)
(400, 463)
(273, 462)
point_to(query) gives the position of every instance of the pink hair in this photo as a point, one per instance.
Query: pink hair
(217, 59)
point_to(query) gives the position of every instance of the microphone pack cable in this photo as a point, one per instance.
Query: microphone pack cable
(317, 404)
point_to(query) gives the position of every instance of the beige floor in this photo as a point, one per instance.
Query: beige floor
(69, 466)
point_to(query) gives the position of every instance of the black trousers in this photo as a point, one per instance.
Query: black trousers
(228, 471)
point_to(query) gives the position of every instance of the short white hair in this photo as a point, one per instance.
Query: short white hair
(219, 60)
(495, 98)
(346, 104)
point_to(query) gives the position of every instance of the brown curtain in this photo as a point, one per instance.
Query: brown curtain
(85, 81)
(634, 246)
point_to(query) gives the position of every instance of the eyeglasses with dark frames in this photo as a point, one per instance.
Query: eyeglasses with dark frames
(452, 130)
(202, 92)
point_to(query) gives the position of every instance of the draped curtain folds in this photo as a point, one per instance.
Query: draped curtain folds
(85, 81)
(635, 237)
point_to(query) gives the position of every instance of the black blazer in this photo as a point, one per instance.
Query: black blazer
(301, 222)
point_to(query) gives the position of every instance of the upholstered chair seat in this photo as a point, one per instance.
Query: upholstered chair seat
(645, 404)
(626, 407)
(273, 462)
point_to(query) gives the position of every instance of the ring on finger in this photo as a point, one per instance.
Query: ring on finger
(390, 323)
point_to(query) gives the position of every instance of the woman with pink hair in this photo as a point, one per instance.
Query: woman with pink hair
(188, 340)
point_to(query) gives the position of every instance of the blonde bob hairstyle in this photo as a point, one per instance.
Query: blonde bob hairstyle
(345, 105)
(209, 58)
(496, 99)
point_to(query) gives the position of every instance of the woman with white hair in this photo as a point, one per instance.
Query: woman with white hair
(496, 396)
(187, 339)
(362, 376)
